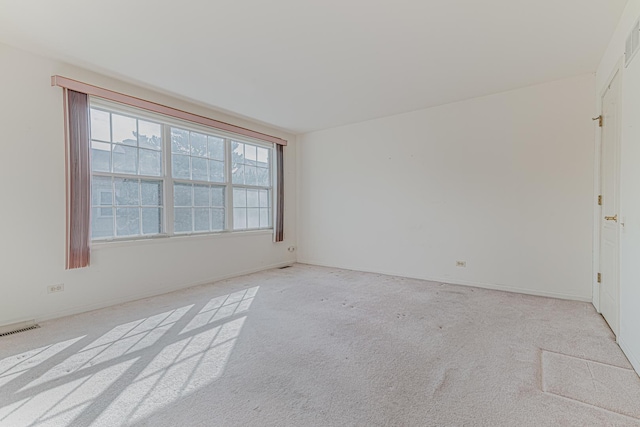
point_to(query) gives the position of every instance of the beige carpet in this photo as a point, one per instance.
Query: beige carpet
(311, 346)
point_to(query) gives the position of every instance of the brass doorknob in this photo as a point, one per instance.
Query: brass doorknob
(611, 218)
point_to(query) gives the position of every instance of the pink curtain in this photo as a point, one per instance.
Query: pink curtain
(78, 179)
(280, 196)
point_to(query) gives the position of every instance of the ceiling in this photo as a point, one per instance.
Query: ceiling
(308, 65)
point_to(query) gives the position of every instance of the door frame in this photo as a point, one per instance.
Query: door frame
(597, 212)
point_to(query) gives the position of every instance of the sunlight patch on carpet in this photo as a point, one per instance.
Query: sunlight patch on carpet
(127, 373)
(178, 370)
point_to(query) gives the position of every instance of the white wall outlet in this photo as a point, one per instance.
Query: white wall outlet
(461, 263)
(55, 288)
(291, 248)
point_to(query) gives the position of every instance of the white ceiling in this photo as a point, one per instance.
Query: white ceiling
(304, 65)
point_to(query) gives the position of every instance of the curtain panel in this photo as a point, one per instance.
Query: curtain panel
(279, 226)
(78, 179)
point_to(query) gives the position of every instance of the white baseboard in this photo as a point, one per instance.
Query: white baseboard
(635, 361)
(155, 292)
(449, 281)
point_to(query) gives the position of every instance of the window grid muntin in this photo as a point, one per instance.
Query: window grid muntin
(113, 145)
(245, 164)
(209, 159)
(264, 204)
(114, 206)
(193, 206)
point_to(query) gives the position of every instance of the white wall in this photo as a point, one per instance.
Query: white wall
(629, 337)
(503, 182)
(32, 187)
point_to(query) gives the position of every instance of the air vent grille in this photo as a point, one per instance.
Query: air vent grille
(633, 44)
(17, 331)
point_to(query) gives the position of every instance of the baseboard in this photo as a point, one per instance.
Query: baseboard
(449, 281)
(635, 362)
(155, 292)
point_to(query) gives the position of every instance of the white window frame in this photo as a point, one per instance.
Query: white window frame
(168, 181)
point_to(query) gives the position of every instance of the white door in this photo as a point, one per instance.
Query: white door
(610, 217)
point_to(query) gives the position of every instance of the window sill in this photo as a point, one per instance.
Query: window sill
(159, 239)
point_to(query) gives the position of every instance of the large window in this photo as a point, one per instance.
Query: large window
(155, 176)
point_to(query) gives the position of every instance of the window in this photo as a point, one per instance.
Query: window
(251, 176)
(156, 176)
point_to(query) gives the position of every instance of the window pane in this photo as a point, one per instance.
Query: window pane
(124, 130)
(264, 218)
(125, 159)
(252, 198)
(238, 175)
(127, 192)
(180, 166)
(237, 152)
(253, 218)
(239, 219)
(199, 167)
(127, 221)
(201, 217)
(150, 162)
(250, 175)
(217, 219)
(200, 195)
(106, 198)
(198, 144)
(216, 148)
(263, 177)
(216, 169)
(101, 191)
(101, 223)
(180, 141)
(264, 198)
(182, 195)
(151, 193)
(149, 135)
(217, 196)
(100, 156)
(239, 197)
(250, 154)
(263, 157)
(151, 220)
(100, 125)
(182, 220)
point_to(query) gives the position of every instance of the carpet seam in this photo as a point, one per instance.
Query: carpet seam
(591, 405)
(587, 360)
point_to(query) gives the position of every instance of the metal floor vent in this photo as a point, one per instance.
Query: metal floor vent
(17, 331)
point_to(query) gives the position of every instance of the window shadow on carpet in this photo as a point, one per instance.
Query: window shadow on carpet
(127, 373)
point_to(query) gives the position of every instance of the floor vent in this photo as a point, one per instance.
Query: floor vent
(20, 330)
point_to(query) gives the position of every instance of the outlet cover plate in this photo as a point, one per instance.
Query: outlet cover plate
(55, 288)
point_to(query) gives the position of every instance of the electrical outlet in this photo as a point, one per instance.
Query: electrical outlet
(55, 288)
(291, 248)
(461, 263)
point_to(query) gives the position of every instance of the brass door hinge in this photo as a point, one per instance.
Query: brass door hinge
(599, 200)
(600, 120)
(599, 278)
